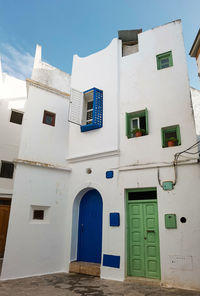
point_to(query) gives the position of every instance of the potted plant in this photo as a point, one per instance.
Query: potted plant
(171, 141)
(138, 132)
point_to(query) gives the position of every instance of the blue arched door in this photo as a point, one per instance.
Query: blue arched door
(90, 227)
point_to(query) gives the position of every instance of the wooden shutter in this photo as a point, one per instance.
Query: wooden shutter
(76, 106)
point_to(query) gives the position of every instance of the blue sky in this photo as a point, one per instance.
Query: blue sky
(67, 27)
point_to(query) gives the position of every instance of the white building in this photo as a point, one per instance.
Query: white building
(12, 101)
(87, 188)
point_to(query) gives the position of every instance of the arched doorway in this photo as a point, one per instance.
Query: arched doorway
(90, 227)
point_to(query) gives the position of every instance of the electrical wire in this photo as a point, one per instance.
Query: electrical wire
(176, 156)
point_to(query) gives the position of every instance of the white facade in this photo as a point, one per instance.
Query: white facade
(58, 165)
(12, 97)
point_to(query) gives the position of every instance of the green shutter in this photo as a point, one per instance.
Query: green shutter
(128, 127)
(147, 121)
(178, 134)
(163, 137)
(165, 55)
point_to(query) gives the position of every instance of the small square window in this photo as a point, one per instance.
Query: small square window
(164, 60)
(49, 118)
(171, 136)
(137, 124)
(7, 169)
(38, 214)
(16, 117)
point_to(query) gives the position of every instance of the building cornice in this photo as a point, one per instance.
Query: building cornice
(42, 164)
(47, 88)
(157, 165)
(94, 156)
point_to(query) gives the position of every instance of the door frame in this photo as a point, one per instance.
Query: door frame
(127, 191)
(78, 194)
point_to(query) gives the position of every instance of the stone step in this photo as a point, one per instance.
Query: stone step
(85, 268)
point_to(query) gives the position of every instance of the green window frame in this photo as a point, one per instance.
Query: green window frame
(169, 132)
(142, 117)
(164, 60)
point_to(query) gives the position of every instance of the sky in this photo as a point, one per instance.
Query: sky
(68, 27)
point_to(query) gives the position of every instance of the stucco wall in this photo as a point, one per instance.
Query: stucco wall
(42, 142)
(112, 237)
(165, 93)
(129, 83)
(12, 96)
(182, 201)
(35, 247)
(99, 70)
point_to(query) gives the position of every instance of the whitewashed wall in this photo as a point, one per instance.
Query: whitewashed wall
(36, 247)
(98, 70)
(183, 241)
(42, 142)
(129, 84)
(40, 247)
(165, 93)
(12, 96)
(112, 238)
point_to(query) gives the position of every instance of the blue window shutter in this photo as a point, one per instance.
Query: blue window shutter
(97, 118)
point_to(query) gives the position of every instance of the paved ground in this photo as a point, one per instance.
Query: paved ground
(75, 284)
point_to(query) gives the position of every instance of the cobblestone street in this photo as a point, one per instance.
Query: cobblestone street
(75, 284)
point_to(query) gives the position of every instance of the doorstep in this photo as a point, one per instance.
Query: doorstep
(132, 279)
(85, 268)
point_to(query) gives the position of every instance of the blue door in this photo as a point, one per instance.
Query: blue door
(90, 228)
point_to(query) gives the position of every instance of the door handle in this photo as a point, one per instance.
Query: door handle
(82, 227)
(150, 230)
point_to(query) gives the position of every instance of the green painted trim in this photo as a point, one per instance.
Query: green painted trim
(141, 189)
(128, 271)
(129, 116)
(164, 55)
(178, 135)
(128, 131)
(127, 236)
(141, 201)
(173, 128)
(147, 121)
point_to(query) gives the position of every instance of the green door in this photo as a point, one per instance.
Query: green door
(143, 239)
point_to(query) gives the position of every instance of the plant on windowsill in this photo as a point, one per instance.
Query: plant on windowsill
(171, 142)
(138, 132)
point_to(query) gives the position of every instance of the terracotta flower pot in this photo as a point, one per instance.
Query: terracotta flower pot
(138, 134)
(170, 143)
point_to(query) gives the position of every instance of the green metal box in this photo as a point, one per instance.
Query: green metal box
(167, 185)
(170, 221)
